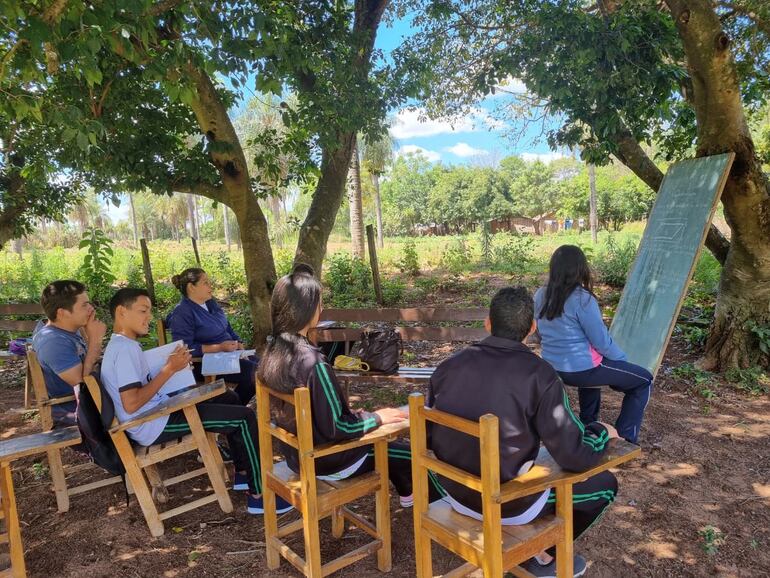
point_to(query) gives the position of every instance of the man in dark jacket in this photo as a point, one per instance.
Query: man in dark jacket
(501, 376)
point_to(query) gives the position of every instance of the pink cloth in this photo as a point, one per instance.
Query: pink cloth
(596, 357)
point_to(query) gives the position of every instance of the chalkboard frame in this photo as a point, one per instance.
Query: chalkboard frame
(717, 196)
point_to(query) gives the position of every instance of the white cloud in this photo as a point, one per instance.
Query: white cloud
(542, 157)
(462, 149)
(431, 156)
(413, 123)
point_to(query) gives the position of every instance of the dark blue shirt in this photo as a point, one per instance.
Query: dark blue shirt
(197, 326)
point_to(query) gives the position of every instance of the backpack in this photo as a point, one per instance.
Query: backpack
(93, 429)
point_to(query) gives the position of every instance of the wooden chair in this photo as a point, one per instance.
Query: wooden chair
(489, 545)
(141, 461)
(316, 499)
(59, 472)
(10, 450)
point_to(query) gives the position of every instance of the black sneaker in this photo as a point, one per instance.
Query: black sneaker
(549, 570)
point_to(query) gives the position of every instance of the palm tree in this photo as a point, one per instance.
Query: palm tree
(377, 155)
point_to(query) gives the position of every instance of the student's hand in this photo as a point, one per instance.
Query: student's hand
(95, 329)
(229, 346)
(179, 360)
(613, 433)
(391, 415)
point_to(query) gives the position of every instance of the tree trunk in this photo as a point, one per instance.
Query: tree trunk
(744, 289)
(327, 198)
(226, 226)
(191, 216)
(593, 217)
(356, 205)
(134, 225)
(335, 161)
(378, 209)
(235, 191)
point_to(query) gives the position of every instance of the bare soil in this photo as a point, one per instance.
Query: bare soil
(696, 504)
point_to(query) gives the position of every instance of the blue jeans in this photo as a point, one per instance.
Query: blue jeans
(633, 381)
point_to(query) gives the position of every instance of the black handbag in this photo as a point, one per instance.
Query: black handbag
(380, 350)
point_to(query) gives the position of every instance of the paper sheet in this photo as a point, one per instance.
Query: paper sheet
(156, 359)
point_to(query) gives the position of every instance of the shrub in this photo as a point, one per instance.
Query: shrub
(349, 281)
(456, 256)
(408, 263)
(614, 261)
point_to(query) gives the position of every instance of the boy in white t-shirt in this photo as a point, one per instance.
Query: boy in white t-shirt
(126, 377)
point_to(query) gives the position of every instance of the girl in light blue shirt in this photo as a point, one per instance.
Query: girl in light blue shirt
(576, 343)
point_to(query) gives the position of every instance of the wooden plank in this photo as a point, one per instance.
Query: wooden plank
(546, 472)
(8, 498)
(374, 264)
(189, 397)
(21, 309)
(19, 447)
(20, 326)
(415, 314)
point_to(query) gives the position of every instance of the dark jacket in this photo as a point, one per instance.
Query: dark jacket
(198, 327)
(333, 420)
(503, 377)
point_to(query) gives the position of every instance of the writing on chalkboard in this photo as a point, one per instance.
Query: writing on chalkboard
(667, 255)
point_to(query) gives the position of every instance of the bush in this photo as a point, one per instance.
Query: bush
(456, 256)
(349, 281)
(615, 260)
(408, 263)
(512, 253)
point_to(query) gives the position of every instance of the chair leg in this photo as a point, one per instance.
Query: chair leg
(382, 514)
(564, 550)
(211, 458)
(338, 523)
(159, 490)
(139, 484)
(8, 498)
(59, 480)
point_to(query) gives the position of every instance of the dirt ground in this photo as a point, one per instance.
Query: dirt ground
(696, 504)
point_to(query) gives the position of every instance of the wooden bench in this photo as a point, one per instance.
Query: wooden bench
(10, 450)
(438, 324)
(487, 544)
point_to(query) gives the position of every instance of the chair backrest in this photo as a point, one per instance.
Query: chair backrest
(487, 432)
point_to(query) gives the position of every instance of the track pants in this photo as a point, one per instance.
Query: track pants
(590, 499)
(400, 471)
(238, 423)
(633, 381)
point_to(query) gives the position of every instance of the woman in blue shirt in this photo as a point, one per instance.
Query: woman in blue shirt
(200, 322)
(576, 343)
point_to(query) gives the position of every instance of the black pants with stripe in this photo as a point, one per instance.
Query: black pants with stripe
(238, 423)
(590, 499)
(400, 471)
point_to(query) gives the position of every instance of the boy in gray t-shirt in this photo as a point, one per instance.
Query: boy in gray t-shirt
(125, 375)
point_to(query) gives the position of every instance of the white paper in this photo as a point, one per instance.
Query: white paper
(221, 363)
(156, 359)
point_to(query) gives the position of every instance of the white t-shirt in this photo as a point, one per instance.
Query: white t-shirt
(124, 367)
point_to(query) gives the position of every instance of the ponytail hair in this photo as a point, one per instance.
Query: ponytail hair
(191, 275)
(295, 300)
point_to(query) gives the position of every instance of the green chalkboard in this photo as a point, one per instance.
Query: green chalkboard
(667, 255)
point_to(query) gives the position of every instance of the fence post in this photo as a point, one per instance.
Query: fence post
(147, 269)
(195, 248)
(373, 262)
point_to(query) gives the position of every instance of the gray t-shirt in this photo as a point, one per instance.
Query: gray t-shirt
(124, 367)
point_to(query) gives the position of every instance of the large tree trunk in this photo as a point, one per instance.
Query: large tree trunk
(236, 192)
(378, 209)
(356, 205)
(327, 198)
(744, 290)
(335, 161)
